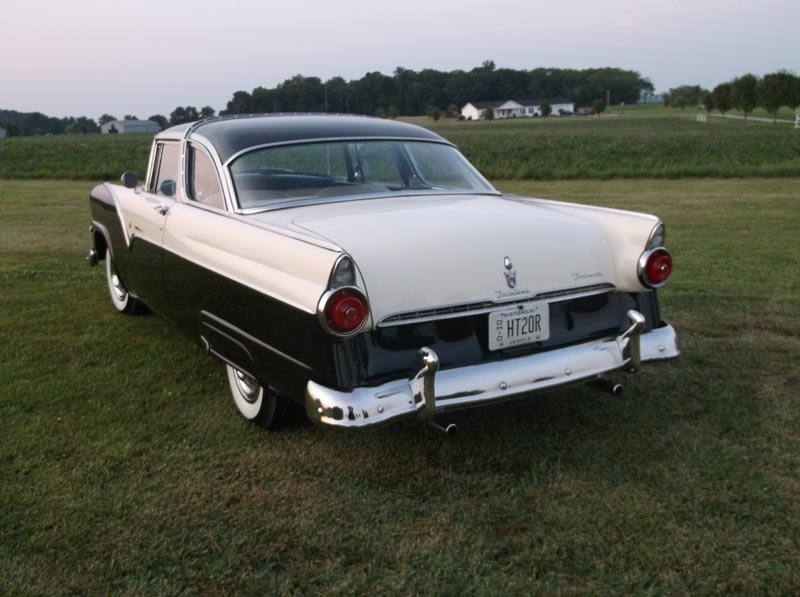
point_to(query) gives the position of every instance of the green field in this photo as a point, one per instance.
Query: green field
(635, 142)
(124, 467)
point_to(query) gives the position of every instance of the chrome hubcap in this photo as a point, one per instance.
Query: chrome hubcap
(119, 291)
(247, 386)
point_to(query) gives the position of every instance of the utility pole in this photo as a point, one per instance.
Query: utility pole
(325, 87)
(608, 100)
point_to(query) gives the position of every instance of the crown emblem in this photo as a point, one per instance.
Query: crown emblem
(511, 274)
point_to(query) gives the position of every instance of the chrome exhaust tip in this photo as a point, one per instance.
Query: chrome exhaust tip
(93, 258)
(608, 386)
(443, 427)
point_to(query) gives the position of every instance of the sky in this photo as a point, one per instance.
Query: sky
(90, 57)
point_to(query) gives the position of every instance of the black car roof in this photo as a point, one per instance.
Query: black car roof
(231, 135)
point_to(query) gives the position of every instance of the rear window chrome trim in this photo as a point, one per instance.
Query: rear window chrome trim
(242, 152)
(310, 201)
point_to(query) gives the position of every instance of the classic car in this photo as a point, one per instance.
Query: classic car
(363, 269)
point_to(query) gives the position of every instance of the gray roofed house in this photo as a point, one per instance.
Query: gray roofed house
(517, 108)
(130, 126)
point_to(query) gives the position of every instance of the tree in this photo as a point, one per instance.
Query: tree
(129, 117)
(85, 126)
(708, 102)
(488, 114)
(160, 120)
(793, 96)
(337, 91)
(239, 104)
(684, 96)
(744, 93)
(545, 109)
(721, 95)
(183, 114)
(599, 105)
(105, 118)
(774, 91)
(207, 112)
(434, 114)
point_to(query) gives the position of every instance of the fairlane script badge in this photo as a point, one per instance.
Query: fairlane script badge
(511, 275)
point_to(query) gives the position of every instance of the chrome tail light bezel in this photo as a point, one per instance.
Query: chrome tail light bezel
(641, 267)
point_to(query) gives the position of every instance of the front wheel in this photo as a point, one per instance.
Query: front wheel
(123, 301)
(254, 402)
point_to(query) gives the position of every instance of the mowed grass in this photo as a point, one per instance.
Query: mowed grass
(74, 157)
(634, 142)
(124, 467)
(637, 142)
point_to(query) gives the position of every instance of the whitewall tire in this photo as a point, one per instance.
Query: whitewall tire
(253, 402)
(123, 301)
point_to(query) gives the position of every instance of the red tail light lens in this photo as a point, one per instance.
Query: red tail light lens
(655, 268)
(344, 310)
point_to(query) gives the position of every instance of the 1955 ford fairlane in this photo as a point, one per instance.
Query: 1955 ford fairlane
(363, 268)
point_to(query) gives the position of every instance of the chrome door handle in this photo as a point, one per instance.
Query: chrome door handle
(162, 209)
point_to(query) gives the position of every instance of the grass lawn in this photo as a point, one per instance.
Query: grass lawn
(124, 466)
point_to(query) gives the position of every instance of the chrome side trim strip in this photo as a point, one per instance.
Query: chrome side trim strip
(478, 307)
(242, 334)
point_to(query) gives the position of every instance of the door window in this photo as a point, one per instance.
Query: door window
(167, 162)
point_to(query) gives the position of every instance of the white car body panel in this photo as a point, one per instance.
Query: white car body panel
(272, 263)
(295, 269)
(425, 252)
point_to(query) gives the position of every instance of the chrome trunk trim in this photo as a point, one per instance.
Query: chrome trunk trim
(478, 307)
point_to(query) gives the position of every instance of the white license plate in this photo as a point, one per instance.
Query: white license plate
(521, 325)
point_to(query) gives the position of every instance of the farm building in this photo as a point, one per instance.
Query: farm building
(517, 108)
(2, 132)
(130, 126)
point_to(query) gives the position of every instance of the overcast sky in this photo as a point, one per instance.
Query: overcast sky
(89, 57)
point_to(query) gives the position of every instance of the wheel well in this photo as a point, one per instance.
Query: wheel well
(100, 244)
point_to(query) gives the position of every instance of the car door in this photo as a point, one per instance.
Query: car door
(145, 212)
(194, 242)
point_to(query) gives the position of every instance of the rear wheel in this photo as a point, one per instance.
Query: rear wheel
(255, 403)
(123, 301)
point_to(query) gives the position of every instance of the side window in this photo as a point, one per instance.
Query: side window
(167, 169)
(204, 186)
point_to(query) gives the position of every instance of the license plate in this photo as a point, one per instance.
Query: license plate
(521, 325)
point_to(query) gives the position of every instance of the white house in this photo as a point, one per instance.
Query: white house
(517, 108)
(2, 133)
(130, 126)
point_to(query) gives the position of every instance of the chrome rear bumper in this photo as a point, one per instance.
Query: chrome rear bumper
(431, 392)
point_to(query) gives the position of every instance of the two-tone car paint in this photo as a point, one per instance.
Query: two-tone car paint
(247, 283)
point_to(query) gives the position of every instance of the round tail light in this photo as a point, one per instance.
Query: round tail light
(343, 311)
(655, 268)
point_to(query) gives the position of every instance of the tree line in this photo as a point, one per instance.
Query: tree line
(23, 124)
(744, 93)
(405, 92)
(408, 92)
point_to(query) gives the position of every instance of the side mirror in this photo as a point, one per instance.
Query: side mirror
(167, 188)
(129, 180)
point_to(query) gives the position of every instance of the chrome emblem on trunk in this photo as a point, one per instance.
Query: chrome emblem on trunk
(511, 275)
